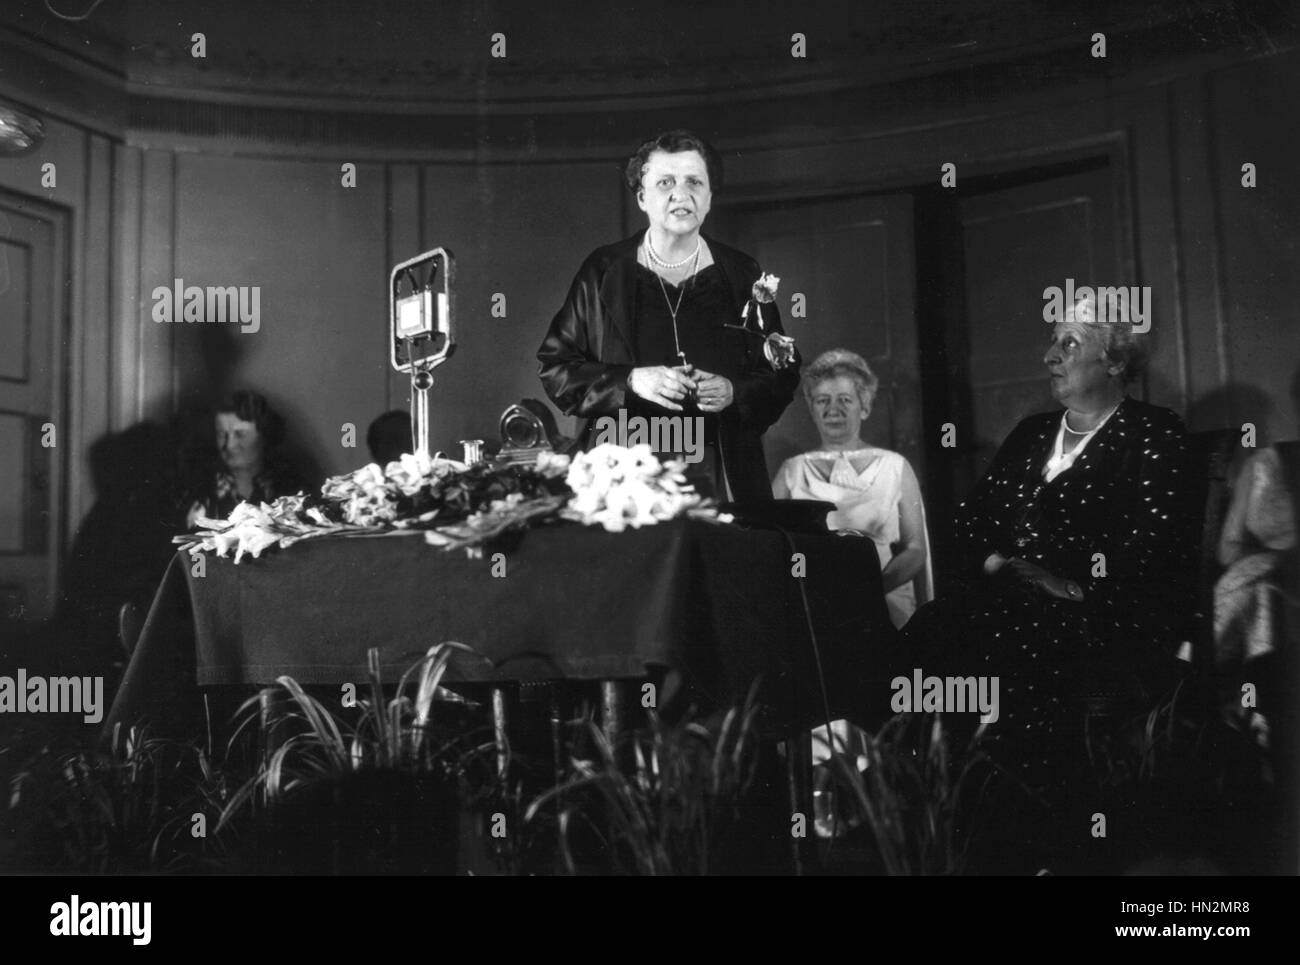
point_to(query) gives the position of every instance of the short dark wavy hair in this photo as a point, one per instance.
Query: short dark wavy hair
(674, 142)
(253, 407)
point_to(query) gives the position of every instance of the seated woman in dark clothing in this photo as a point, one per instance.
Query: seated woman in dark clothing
(250, 465)
(1076, 549)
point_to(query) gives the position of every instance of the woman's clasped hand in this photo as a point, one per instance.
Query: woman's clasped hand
(1036, 577)
(677, 387)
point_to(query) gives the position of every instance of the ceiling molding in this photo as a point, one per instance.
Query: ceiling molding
(499, 121)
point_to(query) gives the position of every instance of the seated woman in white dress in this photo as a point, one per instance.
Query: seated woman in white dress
(874, 490)
(876, 496)
(1255, 598)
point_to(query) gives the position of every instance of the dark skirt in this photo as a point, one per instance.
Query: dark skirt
(1045, 660)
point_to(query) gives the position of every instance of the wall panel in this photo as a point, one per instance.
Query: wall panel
(1219, 258)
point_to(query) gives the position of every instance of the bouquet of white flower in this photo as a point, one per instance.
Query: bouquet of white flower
(370, 496)
(464, 508)
(617, 487)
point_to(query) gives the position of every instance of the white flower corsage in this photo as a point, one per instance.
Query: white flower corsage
(763, 293)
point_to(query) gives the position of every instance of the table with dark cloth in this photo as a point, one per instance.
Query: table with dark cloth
(717, 603)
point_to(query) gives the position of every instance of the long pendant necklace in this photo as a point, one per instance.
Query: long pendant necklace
(674, 309)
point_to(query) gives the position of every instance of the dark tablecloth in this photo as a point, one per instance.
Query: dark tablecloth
(717, 603)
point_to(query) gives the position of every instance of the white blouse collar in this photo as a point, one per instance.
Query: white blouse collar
(1060, 460)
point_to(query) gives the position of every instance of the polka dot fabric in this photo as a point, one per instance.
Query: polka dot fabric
(1121, 510)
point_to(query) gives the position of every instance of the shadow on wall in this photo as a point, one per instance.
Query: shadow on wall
(220, 352)
(1238, 407)
(1244, 409)
(1230, 407)
(122, 546)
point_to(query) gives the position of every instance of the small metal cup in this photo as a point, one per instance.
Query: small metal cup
(473, 451)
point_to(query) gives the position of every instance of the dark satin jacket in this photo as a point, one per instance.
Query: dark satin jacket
(1127, 497)
(590, 350)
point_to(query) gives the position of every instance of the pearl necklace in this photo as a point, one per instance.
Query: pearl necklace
(1065, 421)
(654, 256)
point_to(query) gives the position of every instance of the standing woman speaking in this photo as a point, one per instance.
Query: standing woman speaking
(653, 325)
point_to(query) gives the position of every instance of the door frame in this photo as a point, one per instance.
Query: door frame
(63, 354)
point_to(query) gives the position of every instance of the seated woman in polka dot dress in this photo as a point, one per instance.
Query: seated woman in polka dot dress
(1076, 548)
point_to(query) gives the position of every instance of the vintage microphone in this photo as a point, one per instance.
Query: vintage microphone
(421, 309)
